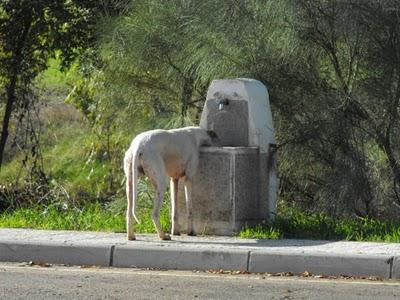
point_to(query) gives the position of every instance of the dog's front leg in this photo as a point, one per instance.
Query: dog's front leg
(188, 198)
(174, 207)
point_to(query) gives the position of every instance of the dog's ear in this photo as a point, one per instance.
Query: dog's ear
(212, 134)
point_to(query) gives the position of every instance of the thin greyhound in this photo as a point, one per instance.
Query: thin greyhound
(159, 154)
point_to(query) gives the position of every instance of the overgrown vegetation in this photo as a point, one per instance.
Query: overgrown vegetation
(92, 217)
(332, 69)
(335, 98)
(294, 223)
(290, 223)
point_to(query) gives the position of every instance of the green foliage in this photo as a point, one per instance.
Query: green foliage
(260, 232)
(332, 72)
(92, 217)
(30, 33)
(288, 224)
(347, 135)
(294, 223)
(76, 176)
(54, 80)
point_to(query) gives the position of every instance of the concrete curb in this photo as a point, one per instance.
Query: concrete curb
(202, 253)
(56, 253)
(395, 272)
(322, 264)
(175, 258)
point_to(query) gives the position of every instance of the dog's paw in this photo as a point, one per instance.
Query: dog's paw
(191, 233)
(165, 237)
(131, 238)
(175, 232)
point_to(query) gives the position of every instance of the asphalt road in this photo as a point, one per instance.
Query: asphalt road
(57, 282)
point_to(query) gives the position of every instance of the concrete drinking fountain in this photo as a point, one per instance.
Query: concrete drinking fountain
(236, 183)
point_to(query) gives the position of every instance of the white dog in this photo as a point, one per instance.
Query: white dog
(158, 154)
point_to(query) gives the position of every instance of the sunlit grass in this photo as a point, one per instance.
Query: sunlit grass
(291, 224)
(297, 224)
(92, 217)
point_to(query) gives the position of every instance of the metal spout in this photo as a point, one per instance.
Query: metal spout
(222, 103)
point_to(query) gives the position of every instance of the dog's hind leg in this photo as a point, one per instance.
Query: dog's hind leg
(129, 216)
(158, 200)
(129, 193)
(174, 206)
(157, 176)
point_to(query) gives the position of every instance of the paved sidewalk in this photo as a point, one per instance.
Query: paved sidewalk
(201, 253)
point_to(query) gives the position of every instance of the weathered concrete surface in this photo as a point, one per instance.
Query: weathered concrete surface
(231, 124)
(320, 263)
(259, 120)
(396, 267)
(180, 258)
(201, 253)
(57, 253)
(236, 184)
(226, 191)
(61, 247)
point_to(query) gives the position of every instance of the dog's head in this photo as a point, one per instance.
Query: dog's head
(213, 139)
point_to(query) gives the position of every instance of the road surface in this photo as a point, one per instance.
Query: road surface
(21, 281)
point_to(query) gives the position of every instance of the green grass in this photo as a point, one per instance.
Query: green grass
(93, 217)
(63, 134)
(65, 153)
(289, 224)
(65, 161)
(296, 224)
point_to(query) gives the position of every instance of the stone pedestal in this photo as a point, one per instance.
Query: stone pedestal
(236, 184)
(225, 191)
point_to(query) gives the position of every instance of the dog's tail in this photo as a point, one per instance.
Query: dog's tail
(132, 181)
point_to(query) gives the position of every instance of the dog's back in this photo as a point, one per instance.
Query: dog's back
(175, 148)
